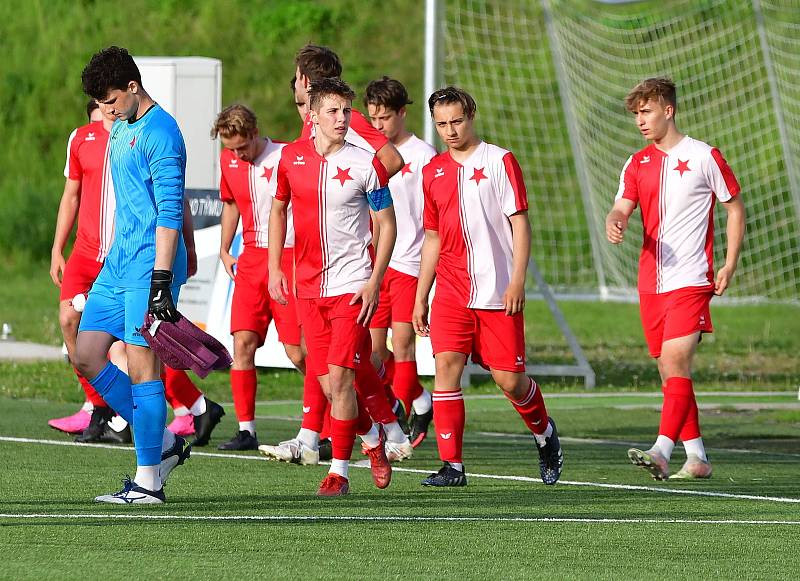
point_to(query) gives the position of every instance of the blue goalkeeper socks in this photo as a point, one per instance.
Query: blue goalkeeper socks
(115, 387)
(149, 418)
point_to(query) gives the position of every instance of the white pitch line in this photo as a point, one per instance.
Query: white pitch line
(365, 464)
(388, 518)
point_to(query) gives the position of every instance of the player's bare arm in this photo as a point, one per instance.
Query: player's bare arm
(188, 239)
(278, 285)
(617, 220)
(390, 158)
(734, 230)
(67, 213)
(228, 222)
(368, 295)
(514, 297)
(429, 258)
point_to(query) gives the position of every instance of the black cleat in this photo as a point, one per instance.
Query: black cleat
(420, 424)
(205, 423)
(174, 457)
(97, 424)
(402, 417)
(111, 436)
(243, 440)
(325, 450)
(446, 476)
(551, 458)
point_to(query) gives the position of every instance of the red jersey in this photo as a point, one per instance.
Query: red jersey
(469, 204)
(676, 192)
(252, 186)
(88, 163)
(360, 133)
(331, 215)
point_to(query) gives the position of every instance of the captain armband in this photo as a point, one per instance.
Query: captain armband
(379, 199)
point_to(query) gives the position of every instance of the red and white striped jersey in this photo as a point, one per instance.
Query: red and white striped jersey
(677, 191)
(252, 186)
(469, 204)
(331, 215)
(360, 133)
(88, 163)
(406, 188)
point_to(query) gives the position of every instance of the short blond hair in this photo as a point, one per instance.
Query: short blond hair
(661, 89)
(235, 120)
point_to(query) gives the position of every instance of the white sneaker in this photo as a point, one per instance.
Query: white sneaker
(132, 493)
(294, 451)
(399, 451)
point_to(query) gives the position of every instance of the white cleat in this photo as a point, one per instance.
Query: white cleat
(693, 469)
(399, 451)
(132, 493)
(652, 461)
(294, 451)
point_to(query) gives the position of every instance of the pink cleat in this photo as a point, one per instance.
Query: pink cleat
(182, 425)
(74, 424)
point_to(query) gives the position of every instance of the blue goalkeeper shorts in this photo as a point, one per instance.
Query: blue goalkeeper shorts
(118, 311)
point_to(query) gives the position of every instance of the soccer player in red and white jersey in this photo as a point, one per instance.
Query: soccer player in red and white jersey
(332, 185)
(477, 247)
(249, 164)
(386, 101)
(676, 181)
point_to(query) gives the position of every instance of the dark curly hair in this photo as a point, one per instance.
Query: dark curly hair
(111, 68)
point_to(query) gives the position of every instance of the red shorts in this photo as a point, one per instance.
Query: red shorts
(252, 308)
(398, 291)
(332, 334)
(674, 314)
(80, 273)
(494, 339)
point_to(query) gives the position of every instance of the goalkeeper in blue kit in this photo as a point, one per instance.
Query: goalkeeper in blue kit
(143, 272)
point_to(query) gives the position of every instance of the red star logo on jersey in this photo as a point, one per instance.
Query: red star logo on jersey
(267, 173)
(478, 175)
(406, 169)
(343, 175)
(133, 141)
(682, 167)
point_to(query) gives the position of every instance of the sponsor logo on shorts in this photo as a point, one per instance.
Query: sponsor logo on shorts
(357, 358)
(702, 320)
(520, 360)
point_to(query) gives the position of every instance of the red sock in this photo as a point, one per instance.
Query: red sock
(243, 386)
(364, 420)
(678, 396)
(343, 436)
(370, 390)
(314, 404)
(691, 427)
(449, 417)
(389, 365)
(532, 408)
(390, 396)
(326, 424)
(406, 383)
(179, 387)
(95, 398)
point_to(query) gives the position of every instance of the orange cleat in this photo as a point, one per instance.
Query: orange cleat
(379, 463)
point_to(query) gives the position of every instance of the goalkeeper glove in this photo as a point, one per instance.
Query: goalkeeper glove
(160, 303)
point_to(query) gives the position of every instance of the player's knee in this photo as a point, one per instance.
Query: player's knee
(87, 362)
(405, 351)
(295, 355)
(244, 347)
(674, 364)
(69, 321)
(514, 384)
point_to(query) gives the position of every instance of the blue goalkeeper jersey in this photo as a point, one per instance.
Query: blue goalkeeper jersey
(148, 166)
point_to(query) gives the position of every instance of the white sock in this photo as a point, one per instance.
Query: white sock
(148, 477)
(117, 424)
(249, 427)
(457, 465)
(339, 467)
(664, 445)
(695, 446)
(373, 437)
(541, 439)
(309, 437)
(199, 407)
(181, 411)
(167, 442)
(394, 433)
(87, 406)
(423, 403)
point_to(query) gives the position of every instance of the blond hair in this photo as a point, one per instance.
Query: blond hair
(235, 120)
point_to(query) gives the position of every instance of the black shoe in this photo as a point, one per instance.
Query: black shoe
(243, 440)
(325, 450)
(446, 476)
(420, 424)
(551, 458)
(205, 423)
(174, 457)
(98, 422)
(111, 436)
(402, 417)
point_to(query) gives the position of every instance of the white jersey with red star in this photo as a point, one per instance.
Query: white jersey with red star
(469, 204)
(331, 215)
(360, 133)
(677, 191)
(252, 186)
(88, 163)
(406, 188)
